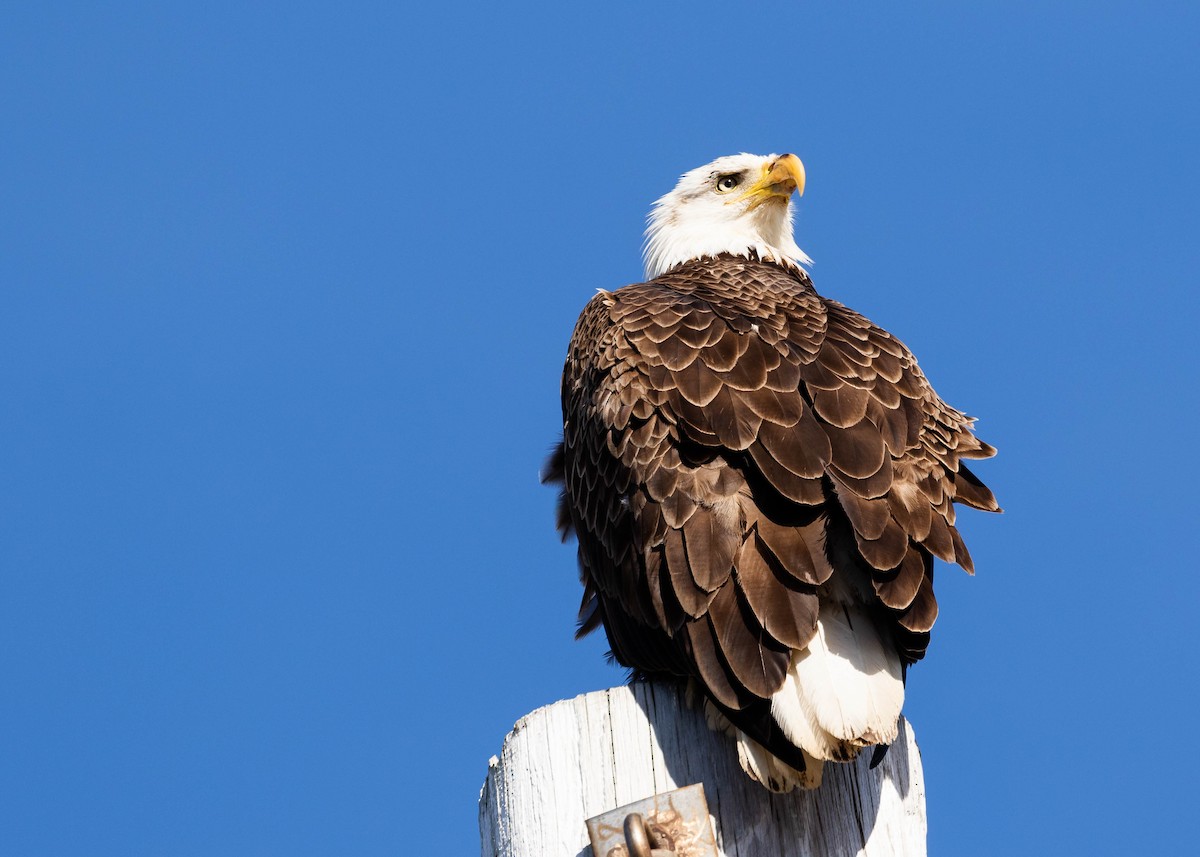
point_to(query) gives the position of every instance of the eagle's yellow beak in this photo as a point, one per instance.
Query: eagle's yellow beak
(779, 178)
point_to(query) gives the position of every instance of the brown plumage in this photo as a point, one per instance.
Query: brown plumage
(734, 445)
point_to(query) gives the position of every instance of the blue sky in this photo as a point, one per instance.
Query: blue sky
(285, 295)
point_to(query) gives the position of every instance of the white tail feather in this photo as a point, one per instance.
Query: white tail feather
(799, 723)
(849, 681)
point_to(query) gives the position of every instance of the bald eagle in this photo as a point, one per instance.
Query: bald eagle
(759, 479)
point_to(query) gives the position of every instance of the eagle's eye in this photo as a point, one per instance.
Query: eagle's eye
(728, 182)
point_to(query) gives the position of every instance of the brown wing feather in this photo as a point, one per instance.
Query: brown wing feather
(757, 660)
(785, 608)
(729, 439)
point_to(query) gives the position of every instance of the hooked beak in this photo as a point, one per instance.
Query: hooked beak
(779, 178)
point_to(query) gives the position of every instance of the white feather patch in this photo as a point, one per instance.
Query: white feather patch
(849, 679)
(799, 723)
(771, 772)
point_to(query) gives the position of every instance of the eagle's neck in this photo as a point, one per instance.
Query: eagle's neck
(765, 233)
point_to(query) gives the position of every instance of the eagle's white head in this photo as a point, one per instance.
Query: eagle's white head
(736, 204)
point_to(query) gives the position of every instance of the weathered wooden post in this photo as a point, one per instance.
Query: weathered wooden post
(576, 759)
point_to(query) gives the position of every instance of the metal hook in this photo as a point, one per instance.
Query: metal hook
(640, 839)
(637, 837)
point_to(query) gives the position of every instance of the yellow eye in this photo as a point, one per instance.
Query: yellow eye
(728, 182)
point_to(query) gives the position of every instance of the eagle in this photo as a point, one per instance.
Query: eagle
(759, 479)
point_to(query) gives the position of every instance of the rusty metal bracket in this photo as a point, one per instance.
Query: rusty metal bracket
(671, 824)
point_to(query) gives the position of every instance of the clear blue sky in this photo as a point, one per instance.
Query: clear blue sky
(284, 296)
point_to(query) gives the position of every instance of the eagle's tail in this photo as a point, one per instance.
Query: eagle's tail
(844, 692)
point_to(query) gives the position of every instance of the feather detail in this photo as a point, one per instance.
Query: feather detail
(848, 680)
